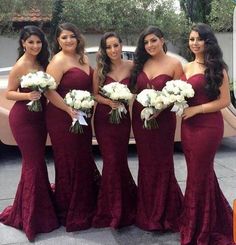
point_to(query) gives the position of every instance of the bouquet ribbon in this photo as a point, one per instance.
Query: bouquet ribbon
(30, 103)
(146, 113)
(80, 117)
(179, 108)
(122, 109)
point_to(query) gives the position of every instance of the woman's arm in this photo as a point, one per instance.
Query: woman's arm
(55, 70)
(178, 71)
(215, 105)
(99, 98)
(13, 92)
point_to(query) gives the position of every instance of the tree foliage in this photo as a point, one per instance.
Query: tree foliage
(221, 16)
(5, 15)
(196, 11)
(126, 17)
(171, 21)
(11, 7)
(23, 6)
(57, 10)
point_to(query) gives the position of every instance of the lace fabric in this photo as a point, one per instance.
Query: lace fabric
(159, 195)
(33, 209)
(207, 216)
(117, 196)
(77, 177)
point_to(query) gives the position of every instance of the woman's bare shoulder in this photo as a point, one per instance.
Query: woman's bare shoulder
(173, 60)
(58, 59)
(188, 66)
(57, 62)
(21, 67)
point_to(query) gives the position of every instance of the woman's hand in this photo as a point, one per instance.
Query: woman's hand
(155, 115)
(72, 112)
(114, 104)
(191, 111)
(34, 95)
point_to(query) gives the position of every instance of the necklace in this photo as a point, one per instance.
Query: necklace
(201, 63)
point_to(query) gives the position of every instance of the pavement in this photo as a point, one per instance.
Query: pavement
(10, 168)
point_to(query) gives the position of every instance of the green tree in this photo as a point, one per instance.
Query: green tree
(57, 10)
(11, 7)
(222, 21)
(105, 15)
(5, 15)
(23, 6)
(171, 21)
(126, 17)
(196, 10)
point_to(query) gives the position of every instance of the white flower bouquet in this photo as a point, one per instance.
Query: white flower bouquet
(38, 81)
(82, 101)
(117, 92)
(175, 92)
(151, 99)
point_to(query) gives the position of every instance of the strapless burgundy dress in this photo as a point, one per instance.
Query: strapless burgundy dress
(207, 216)
(159, 195)
(77, 177)
(33, 210)
(117, 197)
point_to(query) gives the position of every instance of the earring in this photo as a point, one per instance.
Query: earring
(24, 49)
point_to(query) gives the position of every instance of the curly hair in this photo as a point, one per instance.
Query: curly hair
(141, 55)
(103, 61)
(213, 60)
(80, 40)
(44, 54)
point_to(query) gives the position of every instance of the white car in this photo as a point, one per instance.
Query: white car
(6, 137)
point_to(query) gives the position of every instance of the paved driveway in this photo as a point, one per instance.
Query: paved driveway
(225, 166)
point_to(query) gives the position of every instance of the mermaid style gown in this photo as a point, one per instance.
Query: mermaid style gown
(33, 210)
(159, 196)
(207, 216)
(117, 196)
(77, 177)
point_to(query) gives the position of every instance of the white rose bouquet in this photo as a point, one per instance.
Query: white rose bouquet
(175, 92)
(38, 81)
(117, 92)
(151, 99)
(82, 101)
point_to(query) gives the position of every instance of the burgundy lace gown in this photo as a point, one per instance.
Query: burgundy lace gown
(77, 177)
(207, 216)
(33, 210)
(117, 196)
(159, 195)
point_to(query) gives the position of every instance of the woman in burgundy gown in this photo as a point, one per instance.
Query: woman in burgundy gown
(77, 177)
(117, 196)
(32, 210)
(159, 195)
(207, 216)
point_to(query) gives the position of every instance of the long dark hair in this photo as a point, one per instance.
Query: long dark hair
(44, 54)
(81, 42)
(213, 60)
(141, 55)
(103, 61)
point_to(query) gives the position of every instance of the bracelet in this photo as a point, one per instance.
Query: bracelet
(203, 111)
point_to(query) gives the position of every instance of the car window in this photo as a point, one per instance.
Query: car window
(128, 55)
(92, 58)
